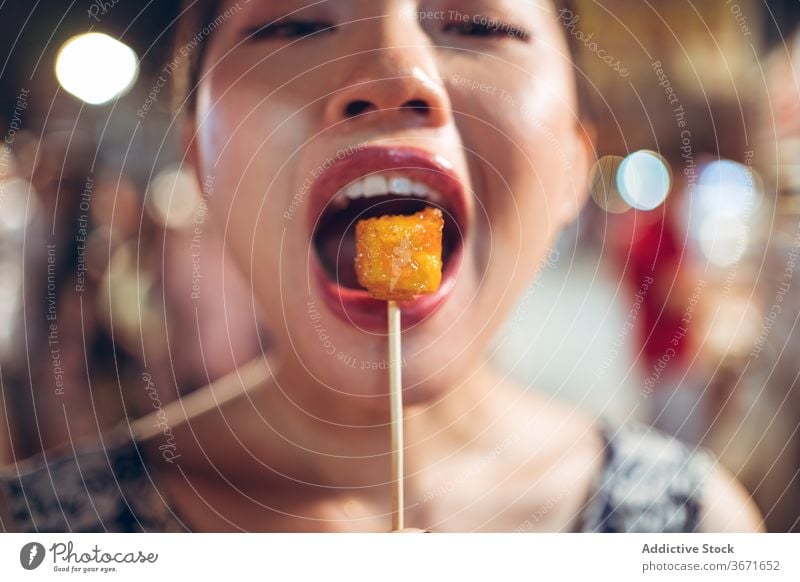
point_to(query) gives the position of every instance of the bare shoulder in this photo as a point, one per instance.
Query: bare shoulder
(566, 454)
(561, 434)
(727, 507)
(632, 478)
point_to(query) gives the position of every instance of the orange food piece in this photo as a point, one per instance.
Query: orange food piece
(398, 257)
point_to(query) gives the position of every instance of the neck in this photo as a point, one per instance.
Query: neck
(298, 429)
(262, 460)
(346, 438)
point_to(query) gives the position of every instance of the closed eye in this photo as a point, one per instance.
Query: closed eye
(289, 29)
(486, 28)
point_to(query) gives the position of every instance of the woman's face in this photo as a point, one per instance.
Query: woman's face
(313, 115)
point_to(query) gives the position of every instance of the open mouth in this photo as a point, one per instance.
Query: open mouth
(378, 182)
(374, 195)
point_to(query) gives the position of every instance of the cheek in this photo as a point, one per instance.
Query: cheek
(522, 137)
(238, 140)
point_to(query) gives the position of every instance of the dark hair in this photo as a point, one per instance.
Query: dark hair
(197, 16)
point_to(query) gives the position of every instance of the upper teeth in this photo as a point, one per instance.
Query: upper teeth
(382, 184)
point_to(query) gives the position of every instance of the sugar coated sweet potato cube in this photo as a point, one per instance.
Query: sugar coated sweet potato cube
(398, 257)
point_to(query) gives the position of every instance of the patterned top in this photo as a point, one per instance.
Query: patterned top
(649, 483)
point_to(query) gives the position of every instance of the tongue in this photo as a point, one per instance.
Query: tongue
(338, 253)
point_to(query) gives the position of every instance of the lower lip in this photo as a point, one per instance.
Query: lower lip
(356, 307)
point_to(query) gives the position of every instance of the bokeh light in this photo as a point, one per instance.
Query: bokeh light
(603, 185)
(721, 211)
(728, 188)
(96, 68)
(18, 203)
(644, 180)
(723, 239)
(173, 197)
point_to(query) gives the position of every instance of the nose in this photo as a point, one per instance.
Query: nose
(389, 88)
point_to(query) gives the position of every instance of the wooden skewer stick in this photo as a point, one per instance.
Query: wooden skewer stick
(221, 391)
(396, 408)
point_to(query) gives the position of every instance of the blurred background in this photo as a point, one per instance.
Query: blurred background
(674, 300)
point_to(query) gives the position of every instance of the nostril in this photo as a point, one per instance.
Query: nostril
(418, 106)
(359, 107)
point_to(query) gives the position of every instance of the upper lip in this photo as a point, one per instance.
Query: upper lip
(421, 165)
